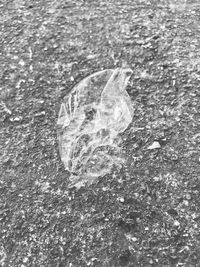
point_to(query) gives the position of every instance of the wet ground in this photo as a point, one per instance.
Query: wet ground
(147, 213)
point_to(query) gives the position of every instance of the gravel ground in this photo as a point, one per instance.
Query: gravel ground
(147, 213)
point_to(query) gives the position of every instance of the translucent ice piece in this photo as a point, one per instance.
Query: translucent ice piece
(90, 119)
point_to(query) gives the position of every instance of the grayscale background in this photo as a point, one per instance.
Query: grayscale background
(147, 213)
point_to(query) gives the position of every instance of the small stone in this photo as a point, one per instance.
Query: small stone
(40, 114)
(136, 195)
(121, 199)
(18, 85)
(31, 228)
(91, 56)
(15, 57)
(13, 185)
(156, 179)
(41, 101)
(151, 261)
(25, 259)
(155, 145)
(21, 62)
(79, 184)
(186, 203)
(134, 239)
(176, 223)
(148, 199)
(16, 119)
(188, 196)
(45, 186)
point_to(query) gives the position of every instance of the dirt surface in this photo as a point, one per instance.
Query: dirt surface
(146, 214)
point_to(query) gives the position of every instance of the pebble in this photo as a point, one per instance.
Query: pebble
(25, 260)
(45, 186)
(156, 178)
(16, 119)
(136, 195)
(91, 56)
(121, 199)
(134, 239)
(186, 203)
(188, 196)
(155, 145)
(176, 223)
(21, 62)
(40, 114)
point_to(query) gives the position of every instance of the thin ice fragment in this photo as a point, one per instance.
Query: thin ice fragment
(89, 122)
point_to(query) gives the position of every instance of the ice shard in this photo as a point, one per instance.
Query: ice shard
(90, 119)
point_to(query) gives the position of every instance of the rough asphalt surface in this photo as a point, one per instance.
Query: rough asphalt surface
(147, 213)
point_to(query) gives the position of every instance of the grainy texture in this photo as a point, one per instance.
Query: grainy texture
(147, 214)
